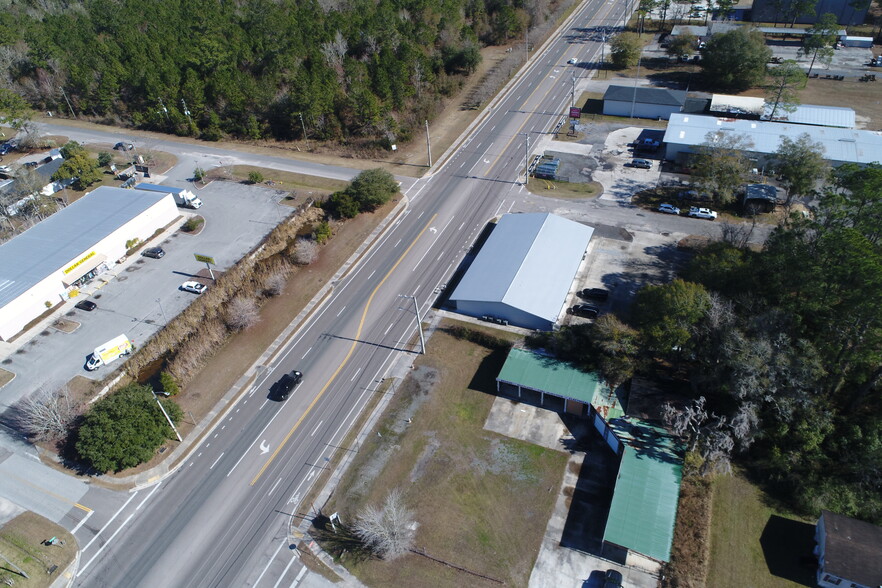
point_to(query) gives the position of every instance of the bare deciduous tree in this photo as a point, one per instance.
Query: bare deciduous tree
(305, 251)
(47, 414)
(242, 313)
(388, 531)
(275, 283)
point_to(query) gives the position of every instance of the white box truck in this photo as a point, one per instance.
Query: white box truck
(109, 352)
(182, 196)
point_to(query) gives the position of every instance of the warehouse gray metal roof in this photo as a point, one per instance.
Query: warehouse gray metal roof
(29, 258)
(811, 114)
(528, 262)
(840, 145)
(158, 188)
(661, 96)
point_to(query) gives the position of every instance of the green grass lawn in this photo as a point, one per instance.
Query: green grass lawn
(754, 544)
(481, 500)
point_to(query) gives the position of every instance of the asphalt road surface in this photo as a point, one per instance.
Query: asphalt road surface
(222, 518)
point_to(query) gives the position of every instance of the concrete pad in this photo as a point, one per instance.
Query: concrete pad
(8, 510)
(527, 423)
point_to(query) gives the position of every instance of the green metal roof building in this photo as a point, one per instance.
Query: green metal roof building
(644, 504)
(528, 370)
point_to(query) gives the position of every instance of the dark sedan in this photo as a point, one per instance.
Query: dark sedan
(282, 389)
(154, 252)
(86, 305)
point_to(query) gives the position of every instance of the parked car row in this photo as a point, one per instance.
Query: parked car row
(694, 211)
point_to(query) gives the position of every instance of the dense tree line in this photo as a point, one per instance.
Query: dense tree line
(781, 348)
(251, 68)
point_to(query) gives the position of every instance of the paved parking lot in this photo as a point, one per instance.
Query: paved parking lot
(141, 294)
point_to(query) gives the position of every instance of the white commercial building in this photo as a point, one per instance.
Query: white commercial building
(524, 270)
(48, 263)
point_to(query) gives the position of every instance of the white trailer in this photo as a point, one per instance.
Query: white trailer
(109, 352)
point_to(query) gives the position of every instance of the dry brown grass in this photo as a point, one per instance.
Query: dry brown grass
(5, 377)
(575, 190)
(21, 541)
(481, 500)
(690, 551)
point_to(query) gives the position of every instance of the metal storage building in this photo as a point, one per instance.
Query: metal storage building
(687, 131)
(644, 505)
(524, 271)
(642, 102)
(46, 264)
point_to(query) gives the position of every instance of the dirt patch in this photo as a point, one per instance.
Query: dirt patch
(23, 541)
(566, 190)
(5, 377)
(480, 499)
(65, 326)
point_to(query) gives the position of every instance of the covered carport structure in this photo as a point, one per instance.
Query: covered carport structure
(544, 381)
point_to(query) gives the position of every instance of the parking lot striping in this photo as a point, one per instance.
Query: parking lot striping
(271, 560)
(244, 453)
(146, 498)
(352, 379)
(346, 359)
(82, 522)
(316, 428)
(341, 311)
(116, 514)
(307, 353)
(100, 549)
(217, 460)
(285, 571)
(512, 206)
(274, 487)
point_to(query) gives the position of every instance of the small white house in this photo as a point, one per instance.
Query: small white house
(849, 552)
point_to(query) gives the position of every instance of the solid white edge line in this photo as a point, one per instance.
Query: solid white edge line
(299, 576)
(260, 577)
(217, 460)
(274, 487)
(80, 524)
(85, 567)
(285, 571)
(110, 521)
(146, 498)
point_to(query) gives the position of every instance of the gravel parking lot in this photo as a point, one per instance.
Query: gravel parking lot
(140, 295)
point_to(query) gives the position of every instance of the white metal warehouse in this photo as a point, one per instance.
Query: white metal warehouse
(524, 271)
(48, 263)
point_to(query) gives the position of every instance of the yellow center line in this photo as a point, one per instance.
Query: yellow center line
(53, 494)
(346, 359)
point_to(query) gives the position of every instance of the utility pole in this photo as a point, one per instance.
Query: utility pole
(186, 111)
(573, 93)
(416, 309)
(526, 44)
(74, 114)
(165, 110)
(526, 157)
(303, 126)
(428, 144)
(166, 416)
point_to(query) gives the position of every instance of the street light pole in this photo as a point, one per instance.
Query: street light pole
(164, 318)
(428, 144)
(526, 157)
(416, 309)
(186, 111)
(573, 93)
(166, 416)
